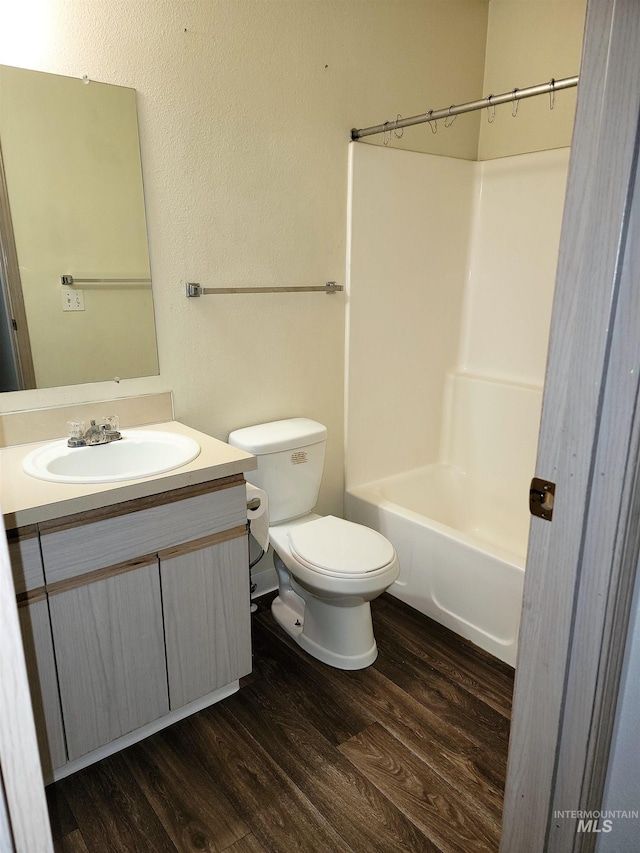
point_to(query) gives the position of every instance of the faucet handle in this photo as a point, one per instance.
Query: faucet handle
(75, 429)
(112, 422)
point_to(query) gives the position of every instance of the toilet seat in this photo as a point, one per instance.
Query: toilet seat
(338, 548)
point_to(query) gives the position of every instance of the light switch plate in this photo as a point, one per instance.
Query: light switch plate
(72, 300)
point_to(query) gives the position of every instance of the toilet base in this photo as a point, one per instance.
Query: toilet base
(350, 630)
(287, 617)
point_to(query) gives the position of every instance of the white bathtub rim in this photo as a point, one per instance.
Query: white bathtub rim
(371, 494)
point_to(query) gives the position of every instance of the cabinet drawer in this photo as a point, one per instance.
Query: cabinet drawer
(86, 542)
(26, 562)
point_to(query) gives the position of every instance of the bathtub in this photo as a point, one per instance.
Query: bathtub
(461, 549)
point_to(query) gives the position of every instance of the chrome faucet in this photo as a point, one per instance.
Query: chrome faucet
(101, 433)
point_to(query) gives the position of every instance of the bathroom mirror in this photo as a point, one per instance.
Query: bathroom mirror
(72, 205)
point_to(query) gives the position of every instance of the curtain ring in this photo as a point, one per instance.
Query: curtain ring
(552, 94)
(516, 104)
(433, 123)
(386, 139)
(395, 129)
(491, 110)
(449, 119)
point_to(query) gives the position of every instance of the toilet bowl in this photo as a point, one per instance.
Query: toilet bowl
(328, 569)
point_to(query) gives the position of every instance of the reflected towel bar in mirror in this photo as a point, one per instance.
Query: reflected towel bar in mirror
(70, 281)
(194, 289)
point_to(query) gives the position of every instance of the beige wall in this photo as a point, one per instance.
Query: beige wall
(245, 110)
(523, 43)
(531, 42)
(449, 63)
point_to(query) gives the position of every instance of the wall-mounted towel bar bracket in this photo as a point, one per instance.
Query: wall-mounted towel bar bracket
(194, 289)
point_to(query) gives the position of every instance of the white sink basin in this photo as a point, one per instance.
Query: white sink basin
(140, 453)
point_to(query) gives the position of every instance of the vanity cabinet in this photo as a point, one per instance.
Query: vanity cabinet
(149, 611)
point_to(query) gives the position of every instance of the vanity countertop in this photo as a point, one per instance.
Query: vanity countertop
(26, 500)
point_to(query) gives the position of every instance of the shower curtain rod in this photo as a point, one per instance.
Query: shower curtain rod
(454, 110)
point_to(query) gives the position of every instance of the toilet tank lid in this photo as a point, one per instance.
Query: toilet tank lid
(278, 435)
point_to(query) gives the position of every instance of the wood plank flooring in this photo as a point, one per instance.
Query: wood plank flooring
(408, 755)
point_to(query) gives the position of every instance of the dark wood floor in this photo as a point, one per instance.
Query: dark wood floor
(407, 755)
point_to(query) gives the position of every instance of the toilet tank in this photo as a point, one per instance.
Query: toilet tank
(290, 462)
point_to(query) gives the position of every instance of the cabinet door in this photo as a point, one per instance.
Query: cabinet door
(41, 670)
(109, 645)
(206, 601)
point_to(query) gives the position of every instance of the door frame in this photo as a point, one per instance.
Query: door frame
(24, 820)
(11, 284)
(581, 566)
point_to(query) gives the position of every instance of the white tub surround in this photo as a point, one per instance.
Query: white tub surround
(452, 265)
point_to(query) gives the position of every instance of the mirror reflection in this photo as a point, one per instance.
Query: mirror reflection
(76, 300)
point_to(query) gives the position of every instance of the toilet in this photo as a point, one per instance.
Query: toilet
(328, 569)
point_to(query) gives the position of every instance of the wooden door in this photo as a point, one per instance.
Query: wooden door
(581, 565)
